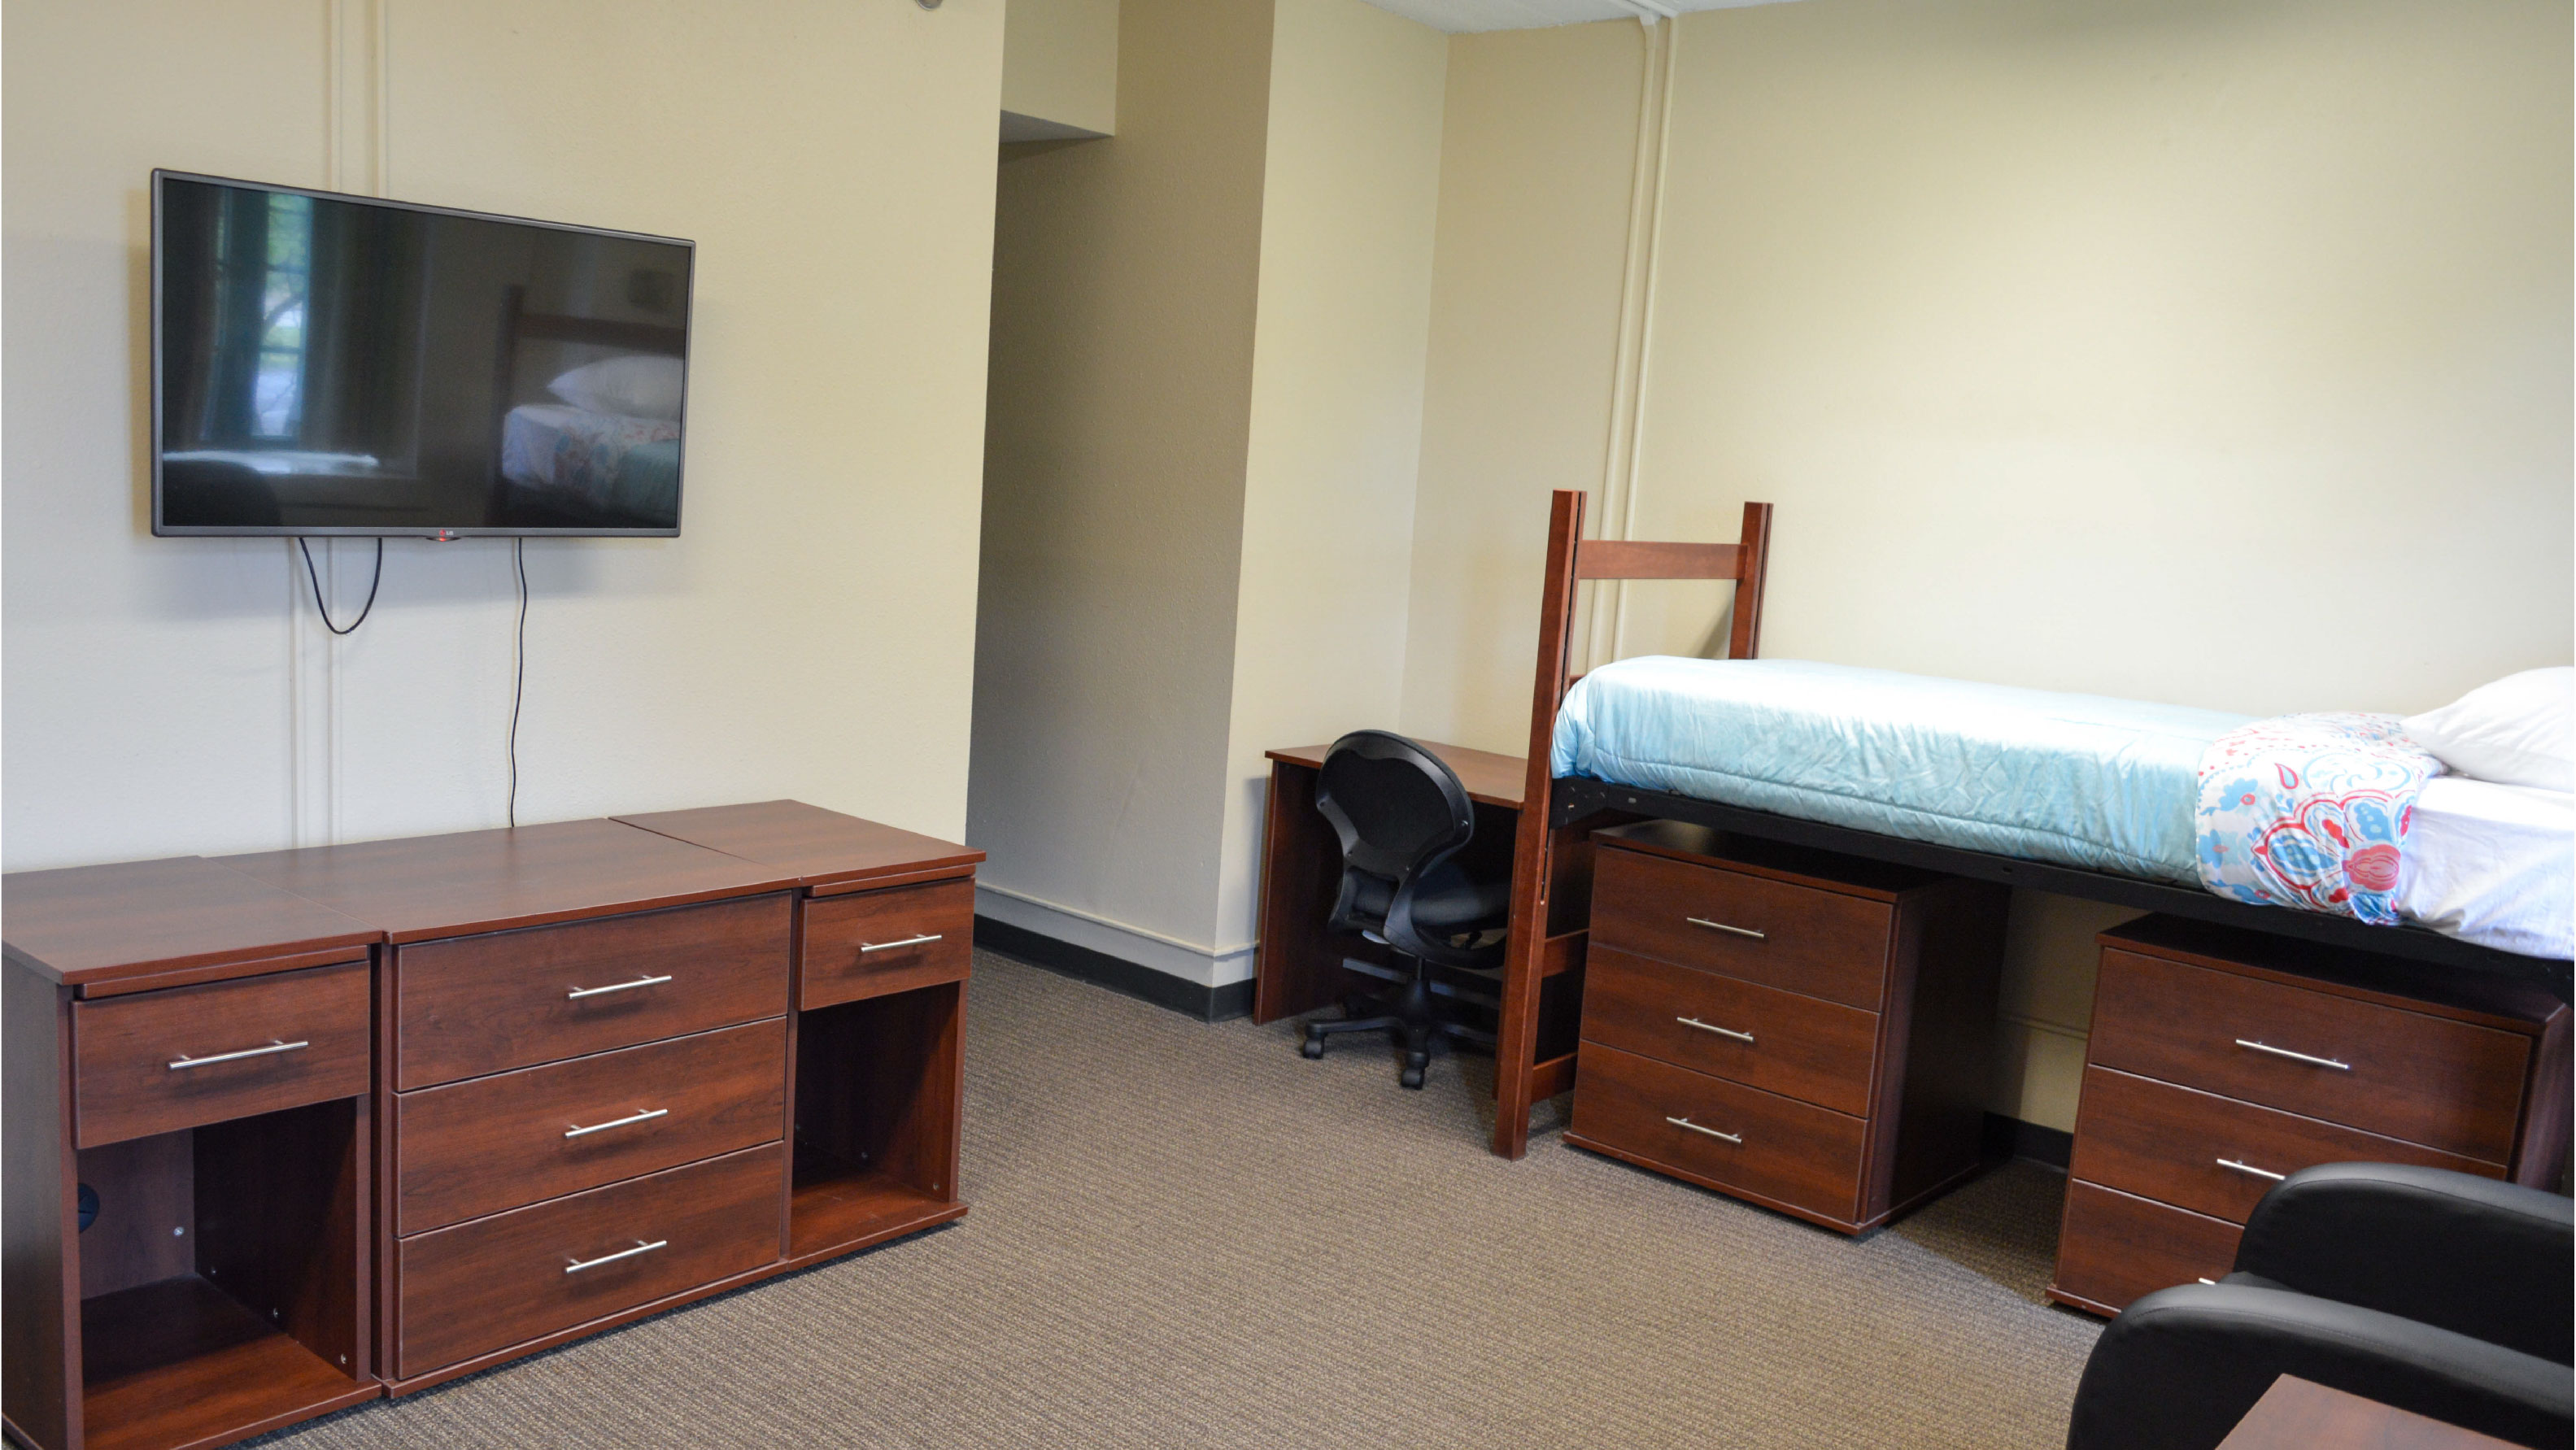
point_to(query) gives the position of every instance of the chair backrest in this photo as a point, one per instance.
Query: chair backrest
(1396, 806)
(1398, 809)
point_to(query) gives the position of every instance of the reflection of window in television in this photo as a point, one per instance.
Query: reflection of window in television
(281, 340)
(277, 393)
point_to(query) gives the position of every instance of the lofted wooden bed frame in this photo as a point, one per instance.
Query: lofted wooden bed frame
(1552, 853)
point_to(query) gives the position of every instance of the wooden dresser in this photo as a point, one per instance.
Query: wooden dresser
(1804, 1031)
(2222, 1061)
(363, 1118)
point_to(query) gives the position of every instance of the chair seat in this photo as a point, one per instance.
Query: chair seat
(1448, 902)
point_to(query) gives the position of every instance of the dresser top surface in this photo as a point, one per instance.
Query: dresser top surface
(821, 847)
(420, 887)
(139, 918)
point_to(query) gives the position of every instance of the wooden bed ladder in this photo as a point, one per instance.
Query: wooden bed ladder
(1552, 867)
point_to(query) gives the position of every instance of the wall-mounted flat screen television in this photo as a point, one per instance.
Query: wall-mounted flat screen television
(328, 364)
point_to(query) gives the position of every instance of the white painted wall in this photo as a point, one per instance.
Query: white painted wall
(1060, 63)
(1207, 367)
(810, 633)
(1125, 281)
(1349, 207)
(2210, 354)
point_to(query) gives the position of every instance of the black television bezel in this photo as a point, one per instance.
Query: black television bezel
(688, 320)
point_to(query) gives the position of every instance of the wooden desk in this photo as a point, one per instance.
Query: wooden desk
(2296, 1414)
(1298, 966)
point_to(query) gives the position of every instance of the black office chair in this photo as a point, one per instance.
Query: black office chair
(1403, 816)
(2433, 1291)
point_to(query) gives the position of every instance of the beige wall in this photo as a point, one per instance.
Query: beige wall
(1060, 62)
(1207, 366)
(2216, 354)
(810, 632)
(1125, 280)
(1348, 211)
(1525, 298)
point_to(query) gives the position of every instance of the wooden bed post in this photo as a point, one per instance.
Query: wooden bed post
(1516, 1035)
(1531, 955)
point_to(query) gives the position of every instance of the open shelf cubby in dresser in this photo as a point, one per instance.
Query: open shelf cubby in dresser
(187, 1071)
(885, 942)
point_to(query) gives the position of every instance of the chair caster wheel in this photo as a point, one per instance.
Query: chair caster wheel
(1411, 1077)
(1311, 1047)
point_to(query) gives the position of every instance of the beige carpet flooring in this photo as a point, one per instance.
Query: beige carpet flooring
(1187, 1235)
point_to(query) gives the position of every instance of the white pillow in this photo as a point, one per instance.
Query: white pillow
(637, 385)
(2521, 730)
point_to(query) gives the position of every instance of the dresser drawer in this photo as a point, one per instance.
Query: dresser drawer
(498, 1281)
(478, 1147)
(155, 1062)
(2117, 1246)
(875, 942)
(2431, 1080)
(482, 1004)
(1782, 1042)
(1796, 938)
(2167, 1143)
(1789, 1152)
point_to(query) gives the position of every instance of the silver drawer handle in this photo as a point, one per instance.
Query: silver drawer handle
(643, 1117)
(866, 947)
(2294, 1056)
(1729, 930)
(577, 993)
(1696, 1128)
(274, 1046)
(1712, 1027)
(2250, 1170)
(641, 1247)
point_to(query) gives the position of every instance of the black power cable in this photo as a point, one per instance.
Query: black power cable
(323, 608)
(519, 688)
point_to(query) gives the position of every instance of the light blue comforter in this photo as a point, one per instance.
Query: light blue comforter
(2076, 779)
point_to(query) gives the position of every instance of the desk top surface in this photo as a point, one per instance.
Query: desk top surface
(2308, 1416)
(142, 918)
(819, 847)
(1495, 780)
(419, 887)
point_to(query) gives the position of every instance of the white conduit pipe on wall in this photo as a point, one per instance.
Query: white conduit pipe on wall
(1606, 627)
(355, 86)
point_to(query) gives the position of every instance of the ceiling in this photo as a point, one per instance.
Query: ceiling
(1456, 16)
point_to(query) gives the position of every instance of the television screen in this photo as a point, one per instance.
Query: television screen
(327, 364)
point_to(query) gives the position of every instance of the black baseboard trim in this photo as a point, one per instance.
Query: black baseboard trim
(2013, 1138)
(1207, 1004)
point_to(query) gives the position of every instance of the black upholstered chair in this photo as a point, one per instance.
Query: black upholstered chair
(2433, 1291)
(1403, 816)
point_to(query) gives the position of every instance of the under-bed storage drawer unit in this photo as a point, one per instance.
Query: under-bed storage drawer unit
(1805, 1031)
(2220, 1062)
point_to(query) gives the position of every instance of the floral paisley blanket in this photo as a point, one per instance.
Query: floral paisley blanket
(2310, 811)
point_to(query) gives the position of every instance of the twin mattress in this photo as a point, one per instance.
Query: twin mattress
(2075, 779)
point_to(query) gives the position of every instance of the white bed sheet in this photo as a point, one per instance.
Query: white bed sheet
(2493, 865)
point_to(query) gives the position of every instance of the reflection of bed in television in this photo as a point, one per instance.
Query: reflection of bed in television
(603, 450)
(562, 458)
